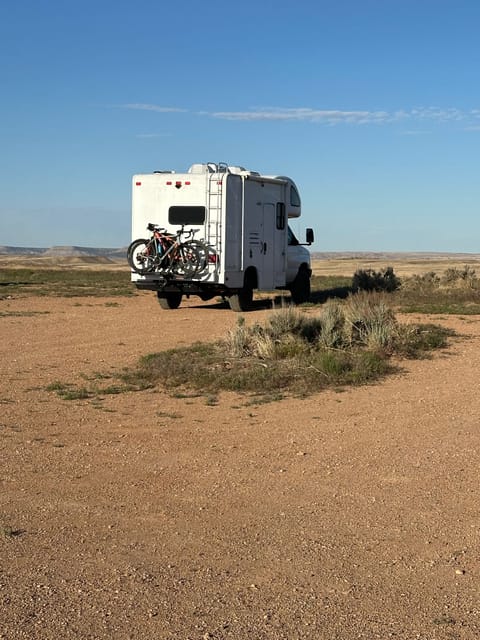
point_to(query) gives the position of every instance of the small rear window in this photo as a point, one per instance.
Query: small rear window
(186, 215)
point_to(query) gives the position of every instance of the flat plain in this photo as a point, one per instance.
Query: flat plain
(150, 515)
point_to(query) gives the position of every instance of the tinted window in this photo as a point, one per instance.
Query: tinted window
(186, 215)
(294, 197)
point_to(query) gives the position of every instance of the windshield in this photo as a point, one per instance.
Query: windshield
(292, 240)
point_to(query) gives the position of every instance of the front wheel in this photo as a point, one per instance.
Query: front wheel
(300, 287)
(141, 256)
(171, 300)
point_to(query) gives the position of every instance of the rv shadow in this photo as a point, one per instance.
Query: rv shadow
(257, 305)
(321, 296)
(276, 301)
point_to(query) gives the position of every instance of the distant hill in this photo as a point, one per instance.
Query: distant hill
(66, 252)
(121, 254)
(391, 255)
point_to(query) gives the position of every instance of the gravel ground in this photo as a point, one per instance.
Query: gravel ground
(146, 516)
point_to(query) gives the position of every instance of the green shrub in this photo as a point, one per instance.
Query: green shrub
(332, 322)
(370, 280)
(370, 320)
(460, 277)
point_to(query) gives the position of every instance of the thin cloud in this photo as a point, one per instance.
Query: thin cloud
(140, 106)
(414, 132)
(336, 116)
(327, 116)
(331, 117)
(153, 135)
(439, 114)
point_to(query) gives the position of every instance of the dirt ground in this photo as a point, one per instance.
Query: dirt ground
(346, 515)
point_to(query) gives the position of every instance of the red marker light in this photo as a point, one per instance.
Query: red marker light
(138, 184)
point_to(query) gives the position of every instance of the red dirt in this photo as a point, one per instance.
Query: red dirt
(144, 516)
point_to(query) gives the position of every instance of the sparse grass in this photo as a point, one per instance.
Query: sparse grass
(185, 396)
(294, 352)
(66, 282)
(297, 351)
(9, 532)
(166, 414)
(416, 340)
(455, 291)
(438, 303)
(255, 401)
(444, 620)
(69, 391)
(21, 314)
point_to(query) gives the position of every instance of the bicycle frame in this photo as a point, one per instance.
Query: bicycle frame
(169, 246)
(166, 253)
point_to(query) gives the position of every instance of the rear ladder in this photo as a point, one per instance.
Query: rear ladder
(214, 204)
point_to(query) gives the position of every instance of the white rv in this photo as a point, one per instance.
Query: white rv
(243, 218)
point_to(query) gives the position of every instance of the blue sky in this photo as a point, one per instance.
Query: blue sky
(371, 106)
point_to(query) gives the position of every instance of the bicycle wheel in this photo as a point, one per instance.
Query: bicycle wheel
(186, 261)
(141, 256)
(204, 253)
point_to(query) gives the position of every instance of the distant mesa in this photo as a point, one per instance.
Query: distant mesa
(94, 254)
(66, 252)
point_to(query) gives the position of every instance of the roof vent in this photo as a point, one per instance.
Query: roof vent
(201, 168)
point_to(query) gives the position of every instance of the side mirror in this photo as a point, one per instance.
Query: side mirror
(309, 236)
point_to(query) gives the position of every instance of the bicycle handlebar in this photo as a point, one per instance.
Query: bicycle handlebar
(190, 233)
(155, 227)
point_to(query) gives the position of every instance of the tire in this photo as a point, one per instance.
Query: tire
(300, 287)
(241, 301)
(141, 256)
(203, 251)
(170, 300)
(187, 261)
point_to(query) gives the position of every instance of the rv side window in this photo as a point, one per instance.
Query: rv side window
(280, 215)
(186, 215)
(294, 197)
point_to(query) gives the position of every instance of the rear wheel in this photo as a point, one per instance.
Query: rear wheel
(141, 256)
(241, 301)
(169, 300)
